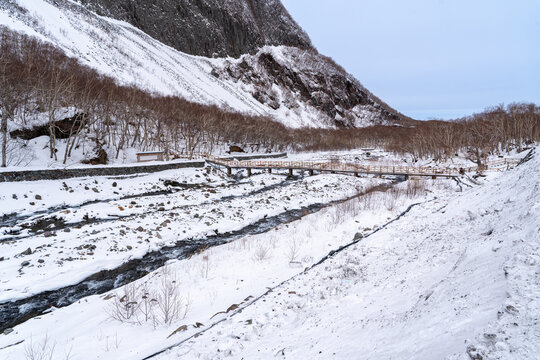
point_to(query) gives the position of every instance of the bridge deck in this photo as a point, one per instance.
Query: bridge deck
(355, 168)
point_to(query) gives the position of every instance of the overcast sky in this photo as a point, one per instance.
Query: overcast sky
(431, 58)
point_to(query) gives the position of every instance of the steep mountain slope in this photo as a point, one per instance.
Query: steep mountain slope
(209, 27)
(288, 81)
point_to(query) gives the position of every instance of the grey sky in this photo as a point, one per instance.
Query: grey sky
(431, 58)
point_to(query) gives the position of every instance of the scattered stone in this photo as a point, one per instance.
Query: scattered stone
(27, 252)
(140, 229)
(95, 190)
(32, 203)
(8, 331)
(25, 263)
(38, 197)
(114, 184)
(49, 234)
(14, 196)
(172, 183)
(2, 258)
(358, 236)
(41, 261)
(129, 247)
(67, 230)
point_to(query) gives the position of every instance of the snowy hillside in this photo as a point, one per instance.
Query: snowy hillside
(119, 50)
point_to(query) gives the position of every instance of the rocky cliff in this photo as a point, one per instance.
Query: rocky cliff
(209, 27)
(306, 85)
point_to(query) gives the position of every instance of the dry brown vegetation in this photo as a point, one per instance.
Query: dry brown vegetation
(37, 77)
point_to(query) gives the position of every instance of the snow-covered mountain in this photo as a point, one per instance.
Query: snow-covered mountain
(280, 75)
(209, 27)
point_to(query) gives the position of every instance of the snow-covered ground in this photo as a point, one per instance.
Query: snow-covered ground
(454, 277)
(112, 226)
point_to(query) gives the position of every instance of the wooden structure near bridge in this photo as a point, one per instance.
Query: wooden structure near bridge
(356, 169)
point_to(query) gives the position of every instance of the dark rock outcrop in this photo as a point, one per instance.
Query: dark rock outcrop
(305, 76)
(209, 27)
(63, 129)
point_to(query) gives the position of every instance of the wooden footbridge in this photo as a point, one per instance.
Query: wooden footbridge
(356, 169)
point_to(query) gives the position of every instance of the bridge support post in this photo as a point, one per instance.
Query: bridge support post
(249, 172)
(310, 172)
(407, 177)
(290, 172)
(356, 174)
(434, 177)
(229, 171)
(269, 170)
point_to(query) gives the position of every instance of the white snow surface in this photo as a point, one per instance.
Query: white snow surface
(455, 277)
(119, 50)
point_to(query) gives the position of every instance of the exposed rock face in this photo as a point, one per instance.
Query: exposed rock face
(209, 27)
(288, 77)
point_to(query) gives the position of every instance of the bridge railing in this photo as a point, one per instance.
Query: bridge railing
(498, 165)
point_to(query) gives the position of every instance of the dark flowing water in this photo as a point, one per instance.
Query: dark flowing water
(17, 312)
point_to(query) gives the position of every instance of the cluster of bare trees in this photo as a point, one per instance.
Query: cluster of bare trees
(36, 77)
(494, 131)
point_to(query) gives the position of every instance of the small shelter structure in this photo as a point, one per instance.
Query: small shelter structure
(150, 156)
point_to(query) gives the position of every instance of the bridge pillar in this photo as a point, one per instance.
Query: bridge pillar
(310, 172)
(290, 172)
(407, 177)
(332, 172)
(269, 170)
(356, 174)
(434, 177)
(249, 171)
(229, 171)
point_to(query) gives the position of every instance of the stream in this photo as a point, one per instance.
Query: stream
(16, 312)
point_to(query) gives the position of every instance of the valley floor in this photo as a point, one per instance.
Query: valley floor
(437, 269)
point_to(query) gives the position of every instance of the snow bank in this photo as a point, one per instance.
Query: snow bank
(455, 278)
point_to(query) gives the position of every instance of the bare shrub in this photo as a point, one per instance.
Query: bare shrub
(293, 249)
(41, 351)
(125, 304)
(162, 305)
(262, 252)
(170, 302)
(204, 266)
